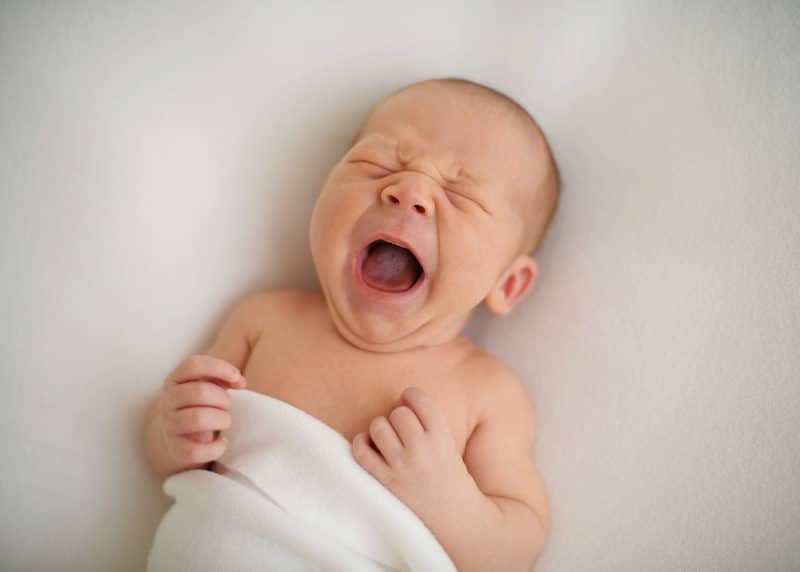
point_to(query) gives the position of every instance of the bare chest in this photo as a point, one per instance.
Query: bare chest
(346, 388)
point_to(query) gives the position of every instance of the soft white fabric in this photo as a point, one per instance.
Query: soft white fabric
(289, 496)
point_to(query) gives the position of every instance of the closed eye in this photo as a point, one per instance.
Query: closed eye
(374, 169)
(464, 199)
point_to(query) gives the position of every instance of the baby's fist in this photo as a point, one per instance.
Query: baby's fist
(195, 406)
(412, 452)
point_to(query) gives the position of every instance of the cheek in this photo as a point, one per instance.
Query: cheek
(335, 214)
(332, 208)
(469, 261)
(466, 241)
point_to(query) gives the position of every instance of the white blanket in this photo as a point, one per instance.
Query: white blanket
(287, 495)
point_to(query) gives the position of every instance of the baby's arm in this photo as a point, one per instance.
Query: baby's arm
(499, 457)
(193, 403)
(489, 511)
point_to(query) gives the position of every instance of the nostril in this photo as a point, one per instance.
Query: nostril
(420, 209)
(394, 200)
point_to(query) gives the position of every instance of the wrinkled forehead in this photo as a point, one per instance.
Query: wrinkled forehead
(459, 130)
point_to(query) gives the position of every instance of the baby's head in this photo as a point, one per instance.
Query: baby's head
(437, 206)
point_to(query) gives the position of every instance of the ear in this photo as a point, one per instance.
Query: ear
(513, 285)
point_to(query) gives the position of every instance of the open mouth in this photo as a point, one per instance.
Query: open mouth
(391, 268)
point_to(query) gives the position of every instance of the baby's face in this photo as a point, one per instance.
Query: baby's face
(420, 218)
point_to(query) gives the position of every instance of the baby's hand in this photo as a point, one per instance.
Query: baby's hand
(194, 408)
(414, 453)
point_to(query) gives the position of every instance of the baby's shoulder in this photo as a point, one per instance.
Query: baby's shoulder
(494, 389)
(283, 302)
(486, 372)
(284, 296)
(268, 309)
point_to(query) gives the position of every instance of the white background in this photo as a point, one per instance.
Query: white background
(158, 160)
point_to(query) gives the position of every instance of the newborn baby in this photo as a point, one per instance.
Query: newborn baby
(446, 190)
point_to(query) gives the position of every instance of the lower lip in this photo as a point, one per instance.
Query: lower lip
(381, 295)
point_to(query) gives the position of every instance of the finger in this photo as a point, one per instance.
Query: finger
(426, 409)
(197, 394)
(206, 367)
(385, 439)
(406, 424)
(189, 451)
(195, 419)
(369, 458)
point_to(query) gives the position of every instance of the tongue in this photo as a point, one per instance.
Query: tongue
(391, 268)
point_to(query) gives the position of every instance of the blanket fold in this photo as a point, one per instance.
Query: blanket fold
(287, 495)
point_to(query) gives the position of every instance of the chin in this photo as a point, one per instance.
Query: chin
(372, 333)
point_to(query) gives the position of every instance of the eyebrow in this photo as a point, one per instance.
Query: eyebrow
(379, 140)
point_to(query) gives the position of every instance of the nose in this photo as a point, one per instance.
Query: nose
(409, 194)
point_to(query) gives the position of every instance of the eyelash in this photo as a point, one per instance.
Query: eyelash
(372, 165)
(459, 198)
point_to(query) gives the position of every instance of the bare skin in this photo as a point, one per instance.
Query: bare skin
(445, 427)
